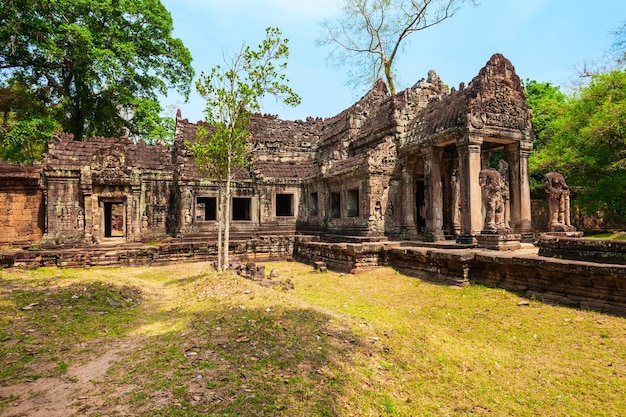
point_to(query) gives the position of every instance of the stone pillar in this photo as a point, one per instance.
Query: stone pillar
(469, 149)
(455, 199)
(407, 211)
(134, 220)
(517, 156)
(433, 193)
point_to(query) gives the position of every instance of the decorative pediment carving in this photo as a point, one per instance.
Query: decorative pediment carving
(110, 165)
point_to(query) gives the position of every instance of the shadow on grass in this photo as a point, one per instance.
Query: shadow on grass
(235, 361)
(47, 323)
(223, 359)
(180, 282)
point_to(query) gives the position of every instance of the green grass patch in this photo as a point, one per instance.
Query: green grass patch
(183, 340)
(608, 236)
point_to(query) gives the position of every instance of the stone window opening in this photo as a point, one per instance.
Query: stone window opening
(335, 205)
(206, 209)
(313, 204)
(113, 219)
(241, 209)
(284, 205)
(352, 203)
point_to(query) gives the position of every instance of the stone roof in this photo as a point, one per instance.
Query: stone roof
(494, 99)
(66, 153)
(11, 170)
(281, 149)
(493, 104)
(267, 170)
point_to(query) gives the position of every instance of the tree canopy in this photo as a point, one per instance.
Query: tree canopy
(233, 93)
(585, 139)
(368, 34)
(97, 66)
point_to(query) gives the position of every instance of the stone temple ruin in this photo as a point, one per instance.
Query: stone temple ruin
(403, 167)
(412, 167)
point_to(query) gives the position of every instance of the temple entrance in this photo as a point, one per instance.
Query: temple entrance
(420, 207)
(114, 219)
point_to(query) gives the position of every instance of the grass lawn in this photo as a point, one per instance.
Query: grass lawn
(182, 340)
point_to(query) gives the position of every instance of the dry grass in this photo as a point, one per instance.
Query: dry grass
(184, 341)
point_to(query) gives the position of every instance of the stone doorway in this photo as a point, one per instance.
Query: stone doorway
(114, 219)
(420, 206)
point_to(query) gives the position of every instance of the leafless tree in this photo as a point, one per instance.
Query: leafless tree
(368, 34)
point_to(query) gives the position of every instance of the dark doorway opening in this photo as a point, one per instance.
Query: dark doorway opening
(113, 219)
(241, 209)
(284, 205)
(206, 209)
(420, 205)
(313, 204)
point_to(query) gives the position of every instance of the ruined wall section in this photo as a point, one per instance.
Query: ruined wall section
(285, 141)
(22, 200)
(283, 154)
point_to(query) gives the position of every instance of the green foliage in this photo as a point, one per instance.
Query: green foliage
(26, 124)
(588, 142)
(27, 140)
(99, 65)
(369, 34)
(548, 104)
(233, 93)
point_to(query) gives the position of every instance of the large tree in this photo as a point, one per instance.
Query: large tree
(587, 143)
(548, 103)
(368, 34)
(233, 93)
(98, 65)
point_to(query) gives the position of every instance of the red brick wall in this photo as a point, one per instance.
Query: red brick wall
(21, 205)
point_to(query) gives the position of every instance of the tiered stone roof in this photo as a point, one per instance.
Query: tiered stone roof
(65, 153)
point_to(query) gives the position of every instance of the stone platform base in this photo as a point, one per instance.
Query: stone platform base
(564, 234)
(497, 241)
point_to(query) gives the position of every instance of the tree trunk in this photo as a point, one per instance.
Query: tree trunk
(227, 214)
(220, 222)
(389, 75)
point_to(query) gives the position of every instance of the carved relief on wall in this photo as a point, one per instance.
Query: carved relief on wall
(80, 220)
(382, 158)
(109, 165)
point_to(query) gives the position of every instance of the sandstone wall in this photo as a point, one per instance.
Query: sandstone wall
(583, 222)
(578, 284)
(22, 205)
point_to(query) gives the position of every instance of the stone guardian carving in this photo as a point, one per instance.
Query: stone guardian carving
(493, 191)
(558, 203)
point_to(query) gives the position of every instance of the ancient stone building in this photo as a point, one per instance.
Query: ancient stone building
(389, 167)
(107, 190)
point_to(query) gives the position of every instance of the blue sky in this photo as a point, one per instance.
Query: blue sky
(544, 39)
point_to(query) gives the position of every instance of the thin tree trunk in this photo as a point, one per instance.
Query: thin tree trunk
(220, 222)
(389, 75)
(227, 215)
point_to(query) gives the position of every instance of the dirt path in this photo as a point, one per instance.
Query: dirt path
(65, 396)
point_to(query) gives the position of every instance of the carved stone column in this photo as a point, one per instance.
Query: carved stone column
(517, 156)
(407, 210)
(469, 149)
(88, 203)
(433, 193)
